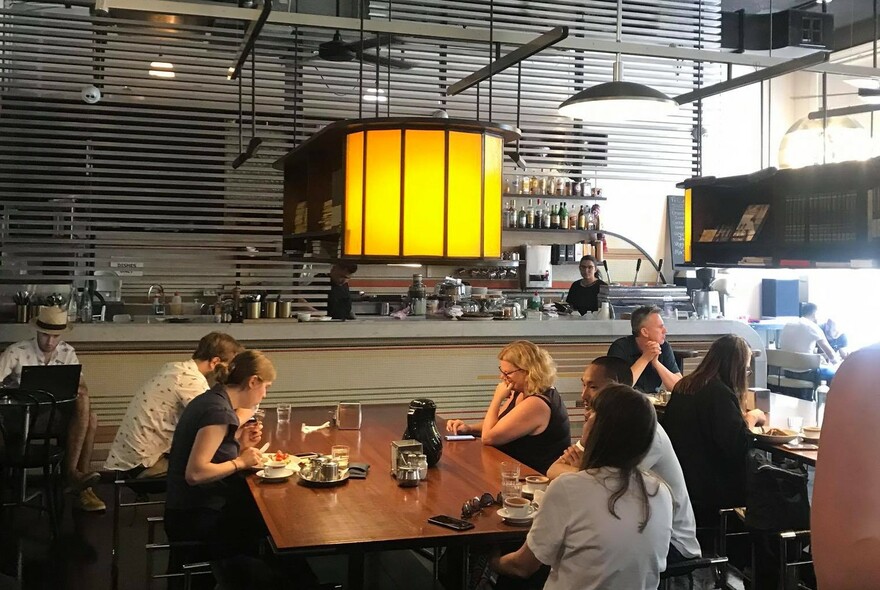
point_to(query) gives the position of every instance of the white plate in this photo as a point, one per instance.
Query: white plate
(285, 473)
(477, 318)
(502, 512)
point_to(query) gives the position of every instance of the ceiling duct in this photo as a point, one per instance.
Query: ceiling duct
(788, 33)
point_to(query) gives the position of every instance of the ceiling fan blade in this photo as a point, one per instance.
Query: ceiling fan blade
(384, 61)
(373, 42)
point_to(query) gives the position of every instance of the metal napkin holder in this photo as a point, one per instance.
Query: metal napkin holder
(399, 450)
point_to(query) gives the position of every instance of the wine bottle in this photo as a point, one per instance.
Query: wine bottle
(522, 219)
(530, 216)
(563, 216)
(582, 219)
(539, 214)
(554, 217)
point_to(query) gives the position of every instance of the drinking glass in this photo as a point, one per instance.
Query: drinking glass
(340, 454)
(796, 423)
(510, 484)
(283, 411)
(259, 414)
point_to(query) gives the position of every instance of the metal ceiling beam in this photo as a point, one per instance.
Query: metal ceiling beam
(551, 37)
(458, 33)
(250, 38)
(792, 65)
(844, 111)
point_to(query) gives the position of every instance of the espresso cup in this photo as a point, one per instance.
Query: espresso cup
(537, 482)
(517, 507)
(303, 316)
(274, 468)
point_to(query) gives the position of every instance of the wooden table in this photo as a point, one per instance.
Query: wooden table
(783, 407)
(375, 514)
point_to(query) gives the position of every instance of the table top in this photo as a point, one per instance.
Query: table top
(783, 407)
(375, 511)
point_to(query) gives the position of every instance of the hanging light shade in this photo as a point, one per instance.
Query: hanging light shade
(618, 102)
(418, 189)
(809, 142)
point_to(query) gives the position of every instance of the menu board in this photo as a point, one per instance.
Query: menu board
(675, 228)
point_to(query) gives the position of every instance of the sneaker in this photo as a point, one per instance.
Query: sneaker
(80, 481)
(89, 502)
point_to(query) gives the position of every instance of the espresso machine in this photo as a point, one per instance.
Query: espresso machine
(707, 301)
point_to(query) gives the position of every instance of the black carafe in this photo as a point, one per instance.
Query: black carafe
(420, 426)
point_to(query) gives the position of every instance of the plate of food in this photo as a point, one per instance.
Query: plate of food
(291, 462)
(477, 316)
(775, 436)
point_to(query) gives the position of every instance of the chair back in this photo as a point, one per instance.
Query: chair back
(792, 370)
(25, 416)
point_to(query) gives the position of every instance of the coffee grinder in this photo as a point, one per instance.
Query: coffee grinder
(707, 301)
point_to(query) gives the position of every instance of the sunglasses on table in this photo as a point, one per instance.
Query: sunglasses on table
(477, 503)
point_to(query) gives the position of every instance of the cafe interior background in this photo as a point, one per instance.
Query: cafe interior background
(139, 173)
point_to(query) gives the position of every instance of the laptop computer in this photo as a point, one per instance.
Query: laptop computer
(62, 381)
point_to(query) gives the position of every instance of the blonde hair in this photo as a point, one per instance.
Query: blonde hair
(248, 364)
(535, 361)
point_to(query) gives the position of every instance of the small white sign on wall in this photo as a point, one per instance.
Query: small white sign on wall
(127, 268)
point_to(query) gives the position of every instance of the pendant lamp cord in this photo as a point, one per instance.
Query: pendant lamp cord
(491, 46)
(617, 73)
(254, 91)
(295, 73)
(361, 60)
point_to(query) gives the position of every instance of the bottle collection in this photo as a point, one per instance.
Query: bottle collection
(546, 216)
(550, 186)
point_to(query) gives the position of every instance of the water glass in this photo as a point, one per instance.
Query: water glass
(259, 414)
(796, 423)
(283, 411)
(340, 454)
(510, 483)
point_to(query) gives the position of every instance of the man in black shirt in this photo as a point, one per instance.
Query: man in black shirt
(339, 297)
(649, 355)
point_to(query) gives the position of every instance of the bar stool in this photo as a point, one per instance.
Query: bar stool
(140, 487)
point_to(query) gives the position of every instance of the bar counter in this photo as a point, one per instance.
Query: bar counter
(367, 360)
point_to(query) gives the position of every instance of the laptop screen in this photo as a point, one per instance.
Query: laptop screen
(62, 381)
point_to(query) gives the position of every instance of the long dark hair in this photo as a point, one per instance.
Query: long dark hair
(621, 435)
(726, 360)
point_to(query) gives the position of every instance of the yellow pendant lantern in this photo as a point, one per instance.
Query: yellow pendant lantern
(420, 189)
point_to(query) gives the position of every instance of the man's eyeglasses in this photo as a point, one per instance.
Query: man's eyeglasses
(477, 503)
(507, 374)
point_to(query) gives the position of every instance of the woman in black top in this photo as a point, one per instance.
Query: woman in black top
(526, 418)
(709, 431)
(207, 498)
(583, 295)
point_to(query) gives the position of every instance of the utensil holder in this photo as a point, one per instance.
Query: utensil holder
(21, 313)
(284, 309)
(271, 309)
(253, 310)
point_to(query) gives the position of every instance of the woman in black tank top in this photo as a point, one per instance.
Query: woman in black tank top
(526, 418)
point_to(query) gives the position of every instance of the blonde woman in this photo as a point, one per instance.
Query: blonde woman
(526, 418)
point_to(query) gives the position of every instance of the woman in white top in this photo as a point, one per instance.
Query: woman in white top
(607, 526)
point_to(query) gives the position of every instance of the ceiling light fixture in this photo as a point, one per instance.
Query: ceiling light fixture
(809, 142)
(618, 101)
(161, 69)
(374, 95)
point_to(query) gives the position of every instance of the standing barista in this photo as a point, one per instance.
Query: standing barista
(339, 297)
(584, 294)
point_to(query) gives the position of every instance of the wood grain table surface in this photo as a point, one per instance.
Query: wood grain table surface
(375, 513)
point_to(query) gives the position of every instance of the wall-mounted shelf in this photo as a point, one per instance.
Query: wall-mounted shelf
(554, 197)
(592, 232)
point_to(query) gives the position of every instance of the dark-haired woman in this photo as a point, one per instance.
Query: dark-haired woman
(709, 431)
(607, 526)
(207, 498)
(583, 295)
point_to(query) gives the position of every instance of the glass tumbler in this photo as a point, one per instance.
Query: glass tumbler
(510, 483)
(340, 454)
(283, 411)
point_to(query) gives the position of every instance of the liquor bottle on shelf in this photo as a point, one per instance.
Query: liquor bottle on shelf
(591, 220)
(514, 186)
(559, 187)
(521, 219)
(563, 216)
(572, 219)
(539, 215)
(507, 185)
(509, 215)
(533, 185)
(530, 215)
(545, 216)
(581, 219)
(554, 217)
(595, 209)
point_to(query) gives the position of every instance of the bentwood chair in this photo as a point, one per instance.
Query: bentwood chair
(27, 419)
(793, 373)
(688, 567)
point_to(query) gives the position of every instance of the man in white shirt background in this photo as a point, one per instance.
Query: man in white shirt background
(47, 348)
(804, 335)
(140, 449)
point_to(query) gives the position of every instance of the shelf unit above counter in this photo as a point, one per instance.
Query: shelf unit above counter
(554, 197)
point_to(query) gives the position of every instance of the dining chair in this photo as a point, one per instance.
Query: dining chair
(688, 567)
(793, 373)
(27, 422)
(141, 487)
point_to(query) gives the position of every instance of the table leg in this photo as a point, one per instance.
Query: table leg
(355, 571)
(458, 563)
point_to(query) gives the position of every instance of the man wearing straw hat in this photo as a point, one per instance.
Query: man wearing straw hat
(47, 348)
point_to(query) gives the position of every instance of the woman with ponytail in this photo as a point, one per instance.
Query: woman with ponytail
(208, 499)
(608, 525)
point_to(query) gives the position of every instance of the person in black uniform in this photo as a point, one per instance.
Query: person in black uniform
(339, 297)
(583, 295)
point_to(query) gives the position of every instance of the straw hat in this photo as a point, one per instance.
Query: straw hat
(52, 320)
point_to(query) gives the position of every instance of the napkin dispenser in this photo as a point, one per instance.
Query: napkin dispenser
(348, 416)
(401, 448)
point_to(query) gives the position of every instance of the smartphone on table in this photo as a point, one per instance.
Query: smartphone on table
(449, 522)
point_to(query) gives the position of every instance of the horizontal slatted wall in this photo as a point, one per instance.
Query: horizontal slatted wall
(145, 174)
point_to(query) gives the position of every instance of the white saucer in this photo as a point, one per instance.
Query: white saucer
(502, 512)
(285, 473)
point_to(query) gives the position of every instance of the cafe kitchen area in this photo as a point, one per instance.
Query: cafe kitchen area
(381, 195)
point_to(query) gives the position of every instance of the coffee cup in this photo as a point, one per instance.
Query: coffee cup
(517, 507)
(537, 482)
(274, 468)
(812, 431)
(303, 316)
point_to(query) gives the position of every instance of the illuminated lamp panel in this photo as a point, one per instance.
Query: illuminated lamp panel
(354, 188)
(465, 192)
(423, 186)
(382, 212)
(493, 161)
